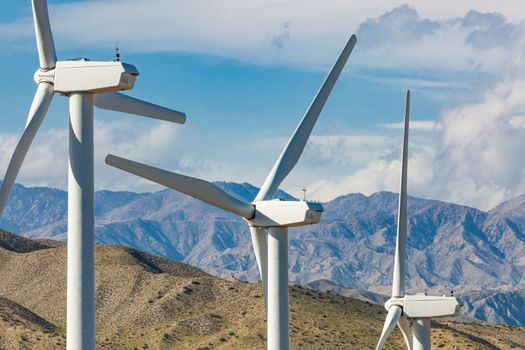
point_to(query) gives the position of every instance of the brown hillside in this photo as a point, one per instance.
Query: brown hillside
(147, 302)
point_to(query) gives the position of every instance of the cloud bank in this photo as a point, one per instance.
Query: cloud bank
(305, 32)
(475, 156)
(46, 163)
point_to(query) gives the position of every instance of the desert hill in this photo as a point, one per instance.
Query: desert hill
(148, 302)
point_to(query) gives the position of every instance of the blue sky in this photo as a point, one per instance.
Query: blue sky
(245, 72)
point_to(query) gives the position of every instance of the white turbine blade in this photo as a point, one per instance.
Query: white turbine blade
(196, 188)
(260, 247)
(293, 150)
(37, 112)
(404, 326)
(394, 313)
(126, 104)
(398, 283)
(44, 37)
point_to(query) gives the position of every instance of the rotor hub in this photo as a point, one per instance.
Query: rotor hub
(44, 76)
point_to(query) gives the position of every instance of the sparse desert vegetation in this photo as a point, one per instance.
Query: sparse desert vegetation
(147, 302)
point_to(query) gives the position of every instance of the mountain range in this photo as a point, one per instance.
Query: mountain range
(477, 254)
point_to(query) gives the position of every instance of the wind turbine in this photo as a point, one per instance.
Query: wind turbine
(86, 83)
(419, 308)
(268, 219)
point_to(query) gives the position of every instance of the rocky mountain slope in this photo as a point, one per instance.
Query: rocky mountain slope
(450, 247)
(148, 302)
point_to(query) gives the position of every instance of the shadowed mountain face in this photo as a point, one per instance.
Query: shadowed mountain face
(449, 246)
(148, 302)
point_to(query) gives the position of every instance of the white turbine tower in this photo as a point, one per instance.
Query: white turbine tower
(268, 219)
(86, 83)
(419, 308)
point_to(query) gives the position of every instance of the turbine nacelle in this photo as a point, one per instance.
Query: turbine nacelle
(273, 213)
(83, 75)
(426, 306)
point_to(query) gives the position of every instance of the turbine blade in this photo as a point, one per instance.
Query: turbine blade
(118, 102)
(404, 326)
(398, 284)
(394, 313)
(196, 188)
(44, 37)
(293, 150)
(37, 112)
(260, 247)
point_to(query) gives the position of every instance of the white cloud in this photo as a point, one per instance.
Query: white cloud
(424, 125)
(304, 32)
(379, 170)
(402, 38)
(436, 83)
(518, 121)
(342, 149)
(478, 158)
(484, 147)
(46, 163)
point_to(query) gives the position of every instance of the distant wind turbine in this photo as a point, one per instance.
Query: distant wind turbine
(418, 308)
(86, 83)
(268, 219)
